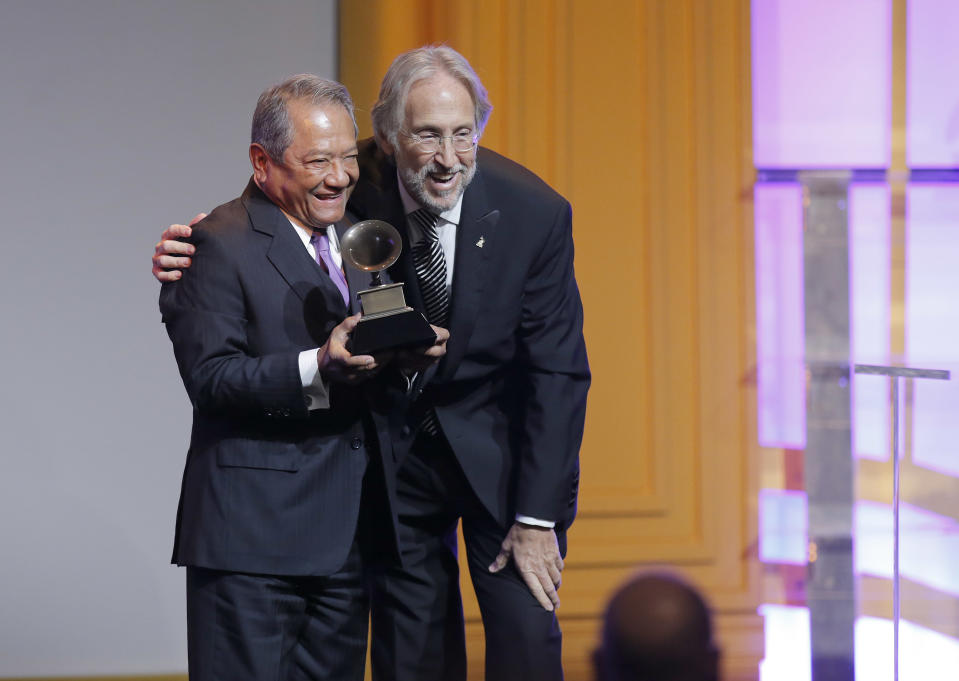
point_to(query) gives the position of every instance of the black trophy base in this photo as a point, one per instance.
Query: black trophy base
(403, 329)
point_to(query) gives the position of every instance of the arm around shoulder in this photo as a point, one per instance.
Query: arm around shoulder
(207, 321)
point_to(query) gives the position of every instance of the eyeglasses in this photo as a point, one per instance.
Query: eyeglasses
(430, 142)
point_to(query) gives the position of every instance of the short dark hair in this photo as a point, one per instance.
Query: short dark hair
(272, 128)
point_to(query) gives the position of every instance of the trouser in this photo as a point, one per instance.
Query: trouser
(417, 615)
(265, 628)
(288, 628)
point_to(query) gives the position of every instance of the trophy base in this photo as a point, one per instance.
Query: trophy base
(401, 329)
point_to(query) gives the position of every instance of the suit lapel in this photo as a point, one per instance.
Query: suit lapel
(475, 235)
(286, 251)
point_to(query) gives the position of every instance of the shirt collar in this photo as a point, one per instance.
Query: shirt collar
(410, 204)
(305, 235)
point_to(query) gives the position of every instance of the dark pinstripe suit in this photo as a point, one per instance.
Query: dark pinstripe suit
(270, 488)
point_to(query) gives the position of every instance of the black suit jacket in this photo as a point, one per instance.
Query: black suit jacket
(269, 487)
(511, 392)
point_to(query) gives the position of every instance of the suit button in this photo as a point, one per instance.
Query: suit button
(356, 443)
(405, 432)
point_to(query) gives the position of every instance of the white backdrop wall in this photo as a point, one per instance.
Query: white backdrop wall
(116, 118)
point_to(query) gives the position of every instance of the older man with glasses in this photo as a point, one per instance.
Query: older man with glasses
(493, 434)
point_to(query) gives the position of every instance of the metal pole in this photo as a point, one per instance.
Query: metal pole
(895, 373)
(895, 528)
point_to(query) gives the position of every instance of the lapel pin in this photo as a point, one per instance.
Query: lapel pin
(482, 240)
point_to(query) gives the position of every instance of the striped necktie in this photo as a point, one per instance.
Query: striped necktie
(430, 264)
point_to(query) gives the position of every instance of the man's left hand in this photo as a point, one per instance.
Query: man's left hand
(535, 553)
(419, 359)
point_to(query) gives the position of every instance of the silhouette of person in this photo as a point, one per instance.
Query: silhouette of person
(657, 628)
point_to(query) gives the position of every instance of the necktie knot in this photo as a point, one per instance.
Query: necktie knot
(426, 221)
(319, 240)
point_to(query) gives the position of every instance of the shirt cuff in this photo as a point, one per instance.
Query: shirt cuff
(526, 520)
(315, 391)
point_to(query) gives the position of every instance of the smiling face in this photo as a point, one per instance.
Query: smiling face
(438, 105)
(319, 169)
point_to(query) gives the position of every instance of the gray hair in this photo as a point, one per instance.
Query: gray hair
(272, 128)
(412, 67)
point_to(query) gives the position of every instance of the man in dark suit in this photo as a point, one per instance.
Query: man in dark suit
(288, 488)
(494, 432)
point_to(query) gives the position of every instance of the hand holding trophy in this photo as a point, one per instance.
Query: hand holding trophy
(387, 321)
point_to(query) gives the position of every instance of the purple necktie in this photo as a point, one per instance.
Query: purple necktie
(322, 245)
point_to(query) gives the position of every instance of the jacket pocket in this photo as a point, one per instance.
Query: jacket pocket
(274, 456)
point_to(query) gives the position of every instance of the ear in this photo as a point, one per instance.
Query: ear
(260, 160)
(384, 145)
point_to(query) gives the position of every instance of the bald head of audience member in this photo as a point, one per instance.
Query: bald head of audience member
(657, 628)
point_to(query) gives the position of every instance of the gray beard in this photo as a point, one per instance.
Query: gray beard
(415, 183)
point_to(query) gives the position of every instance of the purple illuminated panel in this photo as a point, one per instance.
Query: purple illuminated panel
(783, 526)
(929, 554)
(788, 653)
(924, 654)
(779, 316)
(929, 541)
(929, 545)
(821, 83)
(932, 321)
(869, 234)
(932, 101)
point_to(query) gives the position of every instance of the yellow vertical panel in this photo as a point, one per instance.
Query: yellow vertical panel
(609, 187)
(897, 184)
(452, 24)
(672, 260)
(443, 16)
(898, 109)
(514, 75)
(725, 243)
(536, 121)
(639, 113)
(484, 39)
(372, 34)
(560, 100)
(719, 242)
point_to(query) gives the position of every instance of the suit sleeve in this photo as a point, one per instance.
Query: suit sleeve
(554, 354)
(206, 318)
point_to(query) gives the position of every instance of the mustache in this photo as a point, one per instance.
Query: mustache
(434, 167)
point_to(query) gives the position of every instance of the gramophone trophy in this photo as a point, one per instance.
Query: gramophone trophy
(387, 321)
